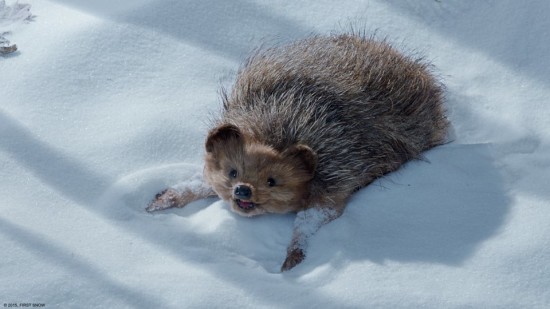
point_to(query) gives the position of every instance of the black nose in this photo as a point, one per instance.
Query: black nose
(243, 192)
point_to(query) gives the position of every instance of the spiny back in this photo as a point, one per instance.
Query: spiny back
(363, 107)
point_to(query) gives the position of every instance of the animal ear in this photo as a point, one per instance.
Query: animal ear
(304, 155)
(223, 135)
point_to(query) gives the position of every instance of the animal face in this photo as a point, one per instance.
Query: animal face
(255, 178)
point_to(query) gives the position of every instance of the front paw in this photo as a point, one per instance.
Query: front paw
(293, 258)
(163, 200)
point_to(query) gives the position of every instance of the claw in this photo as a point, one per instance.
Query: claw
(158, 195)
(293, 258)
(163, 200)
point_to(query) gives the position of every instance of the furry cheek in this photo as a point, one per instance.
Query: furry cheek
(283, 200)
(219, 182)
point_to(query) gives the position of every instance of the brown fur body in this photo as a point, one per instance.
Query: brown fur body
(361, 107)
(307, 124)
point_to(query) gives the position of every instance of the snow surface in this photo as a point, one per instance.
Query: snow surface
(105, 104)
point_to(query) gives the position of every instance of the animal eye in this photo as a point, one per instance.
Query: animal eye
(233, 173)
(271, 182)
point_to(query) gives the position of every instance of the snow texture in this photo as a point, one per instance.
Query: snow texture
(105, 104)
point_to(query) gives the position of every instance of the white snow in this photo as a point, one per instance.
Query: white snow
(106, 103)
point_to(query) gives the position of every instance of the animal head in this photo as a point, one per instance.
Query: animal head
(255, 178)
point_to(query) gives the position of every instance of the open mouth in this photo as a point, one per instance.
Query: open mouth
(245, 205)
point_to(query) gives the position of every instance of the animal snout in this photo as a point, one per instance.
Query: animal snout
(243, 192)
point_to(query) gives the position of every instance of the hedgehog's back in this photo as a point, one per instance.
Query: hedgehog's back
(350, 98)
